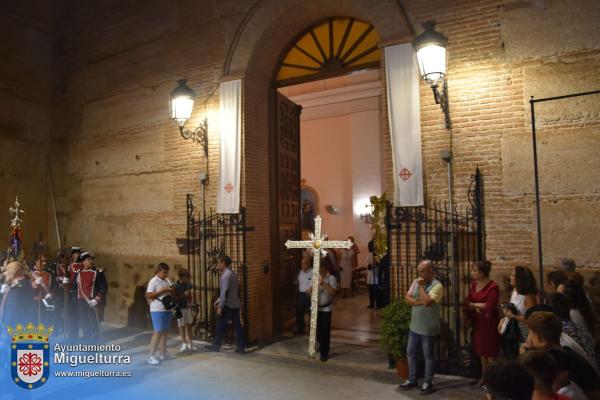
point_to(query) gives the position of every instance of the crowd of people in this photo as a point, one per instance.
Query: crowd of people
(169, 299)
(69, 295)
(530, 347)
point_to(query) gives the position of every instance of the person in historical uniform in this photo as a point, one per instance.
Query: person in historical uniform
(59, 290)
(71, 313)
(41, 282)
(91, 295)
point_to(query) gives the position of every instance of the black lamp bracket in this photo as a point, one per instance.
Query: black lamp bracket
(198, 135)
(441, 98)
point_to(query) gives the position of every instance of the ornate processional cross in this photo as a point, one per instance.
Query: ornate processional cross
(317, 243)
(16, 211)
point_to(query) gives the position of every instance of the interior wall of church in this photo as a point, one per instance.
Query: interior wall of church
(326, 163)
(341, 149)
(341, 161)
(26, 90)
(123, 170)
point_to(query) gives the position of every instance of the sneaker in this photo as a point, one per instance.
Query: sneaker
(240, 351)
(191, 347)
(406, 386)
(152, 360)
(183, 348)
(427, 388)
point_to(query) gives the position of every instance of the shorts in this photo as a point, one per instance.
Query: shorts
(186, 317)
(161, 320)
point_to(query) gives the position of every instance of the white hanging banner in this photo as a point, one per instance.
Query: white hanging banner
(228, 195)
(405, 124)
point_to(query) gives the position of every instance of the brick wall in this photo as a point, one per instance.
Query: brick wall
(499, 56)
(123, 169)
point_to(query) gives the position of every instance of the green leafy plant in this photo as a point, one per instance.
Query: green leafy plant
(395, 328)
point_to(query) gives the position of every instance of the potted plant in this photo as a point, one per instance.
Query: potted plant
(394, 334)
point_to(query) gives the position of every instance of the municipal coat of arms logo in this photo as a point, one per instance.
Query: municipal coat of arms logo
(30, 355)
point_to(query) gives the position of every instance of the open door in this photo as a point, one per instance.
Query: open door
(285, 207)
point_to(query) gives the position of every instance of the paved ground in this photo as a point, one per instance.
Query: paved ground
(277, 371)
(357, 369)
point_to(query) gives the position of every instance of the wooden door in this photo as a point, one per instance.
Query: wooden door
(285, 203)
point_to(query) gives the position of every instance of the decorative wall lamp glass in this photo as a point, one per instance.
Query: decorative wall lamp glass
(430, 47)
(182, 104)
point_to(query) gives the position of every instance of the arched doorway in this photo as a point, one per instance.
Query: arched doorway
(327, 62)
(256, 47)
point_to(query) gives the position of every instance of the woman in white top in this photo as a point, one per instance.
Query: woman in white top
(524, 294)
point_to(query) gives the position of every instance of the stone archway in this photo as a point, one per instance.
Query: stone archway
(253, 57)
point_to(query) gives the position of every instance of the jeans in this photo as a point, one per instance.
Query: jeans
(232, 314)
(302, 308)
(427, 342)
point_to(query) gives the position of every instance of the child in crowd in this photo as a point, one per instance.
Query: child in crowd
(545, 371)
(183, 294)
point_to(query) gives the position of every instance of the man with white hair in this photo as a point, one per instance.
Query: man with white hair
(424, 295)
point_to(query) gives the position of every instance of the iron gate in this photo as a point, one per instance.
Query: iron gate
(435, 232)
(207, 239)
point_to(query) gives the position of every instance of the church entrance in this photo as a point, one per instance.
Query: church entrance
(326, 144)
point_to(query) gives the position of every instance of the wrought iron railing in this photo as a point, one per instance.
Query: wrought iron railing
(207, 239)
(454, 241)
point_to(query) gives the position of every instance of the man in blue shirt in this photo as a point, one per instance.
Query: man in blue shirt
(228, 307)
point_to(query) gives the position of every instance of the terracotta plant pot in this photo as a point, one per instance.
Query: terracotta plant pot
(402, 369)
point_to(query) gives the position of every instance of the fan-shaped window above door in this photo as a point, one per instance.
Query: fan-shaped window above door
(329, 48)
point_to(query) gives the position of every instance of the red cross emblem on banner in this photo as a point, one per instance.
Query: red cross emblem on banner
(228, 187)
(405, 174)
